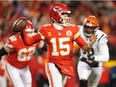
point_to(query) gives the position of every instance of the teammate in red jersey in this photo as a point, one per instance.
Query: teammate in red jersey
(60, 37)
(19, 56)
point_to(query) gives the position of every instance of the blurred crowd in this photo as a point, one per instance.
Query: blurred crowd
(38, 13)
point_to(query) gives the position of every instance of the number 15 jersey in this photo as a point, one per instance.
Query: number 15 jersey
(60, 43)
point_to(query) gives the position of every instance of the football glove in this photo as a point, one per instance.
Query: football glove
(90, 62)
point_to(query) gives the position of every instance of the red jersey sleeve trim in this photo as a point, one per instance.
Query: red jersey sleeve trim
(77, 35)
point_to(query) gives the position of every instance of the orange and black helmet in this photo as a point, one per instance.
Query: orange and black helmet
(90, 25)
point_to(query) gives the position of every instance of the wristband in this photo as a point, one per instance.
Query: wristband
(90, 45)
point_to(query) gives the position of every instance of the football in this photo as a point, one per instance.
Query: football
(19, 24)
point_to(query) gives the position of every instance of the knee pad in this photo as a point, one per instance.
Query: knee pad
(83, 83)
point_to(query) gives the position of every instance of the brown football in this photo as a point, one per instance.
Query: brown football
(19, 24)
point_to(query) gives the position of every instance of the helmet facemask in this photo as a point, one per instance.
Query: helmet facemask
(65, 20)
(89, 30)
(30, 32)
(29, 29)
(90, 25)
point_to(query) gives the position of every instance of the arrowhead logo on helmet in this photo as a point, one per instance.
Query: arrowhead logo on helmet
(56, 11)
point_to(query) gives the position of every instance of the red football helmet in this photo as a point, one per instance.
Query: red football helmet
(90, 24)
(29, 28)
(56, 12)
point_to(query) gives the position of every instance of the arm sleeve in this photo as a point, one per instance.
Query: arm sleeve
(31, 40)
(103, 55)
(80, 41)
(2, 52)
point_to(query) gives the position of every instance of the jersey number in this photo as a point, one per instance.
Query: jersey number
(90, 53)
(25, 54)
(61, 46)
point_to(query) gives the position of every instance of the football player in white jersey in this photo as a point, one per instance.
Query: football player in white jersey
(90, 63)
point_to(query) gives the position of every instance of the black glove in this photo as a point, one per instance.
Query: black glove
(2, 52)
(92, 63)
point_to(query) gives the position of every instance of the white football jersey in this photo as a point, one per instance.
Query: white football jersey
(100, 48)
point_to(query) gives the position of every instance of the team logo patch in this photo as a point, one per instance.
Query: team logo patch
(68, 33)
(49, 33)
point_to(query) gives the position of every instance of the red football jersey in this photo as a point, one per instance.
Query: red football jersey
(60, 43)
(21, 54)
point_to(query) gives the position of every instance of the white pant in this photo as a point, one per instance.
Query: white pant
(3, 81)
(54, 76)
(19, 77)
(85, 72)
